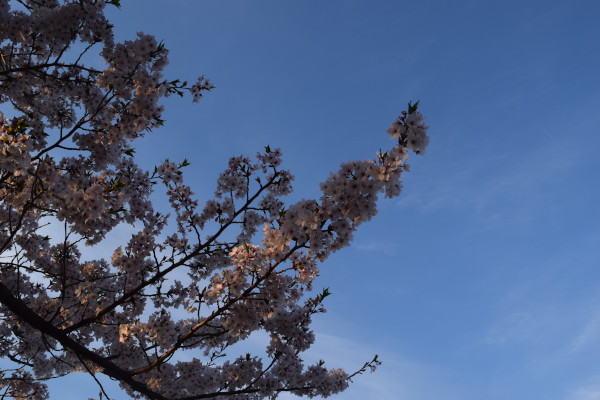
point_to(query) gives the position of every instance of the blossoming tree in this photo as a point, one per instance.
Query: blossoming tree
(67, 158)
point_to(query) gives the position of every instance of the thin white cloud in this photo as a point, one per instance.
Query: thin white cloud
(589, 333)
(501, 190)
(385, 247)
(589, 390)
(397, 378)
(517, 327)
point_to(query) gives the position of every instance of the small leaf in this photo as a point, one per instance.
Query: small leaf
(413, 107)
(118, 184)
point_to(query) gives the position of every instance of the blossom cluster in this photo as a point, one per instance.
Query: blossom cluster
(202, 85)
(410, 130)
(249, 259)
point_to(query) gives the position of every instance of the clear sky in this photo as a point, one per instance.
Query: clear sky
(482, 281)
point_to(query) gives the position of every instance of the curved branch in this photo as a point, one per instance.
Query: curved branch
(20, 309)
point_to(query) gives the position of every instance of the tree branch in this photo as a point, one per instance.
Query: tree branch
(20, 309)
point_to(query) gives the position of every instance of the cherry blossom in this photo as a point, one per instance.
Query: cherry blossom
(249, 258)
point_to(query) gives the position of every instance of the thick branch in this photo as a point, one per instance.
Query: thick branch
(36, 67)
(20, 309)
(240, 391)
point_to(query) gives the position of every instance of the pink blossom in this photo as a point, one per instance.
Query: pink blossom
(67, 160)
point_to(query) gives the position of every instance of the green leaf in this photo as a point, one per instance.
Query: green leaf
(17, 126)
(116, 3)
(118, 184)
(412, 108)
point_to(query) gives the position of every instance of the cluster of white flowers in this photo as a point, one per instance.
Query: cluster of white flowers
(410, 130)
(202, 85)
(67, 159)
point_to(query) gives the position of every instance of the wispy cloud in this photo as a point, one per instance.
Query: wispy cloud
(397, 378)
(498, 190)
(589, 390)
(381, 246)
(587, 335)
(516, 327)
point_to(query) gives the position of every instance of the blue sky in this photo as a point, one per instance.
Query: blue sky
(481, 281)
